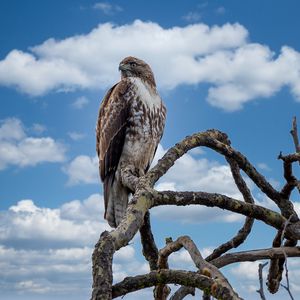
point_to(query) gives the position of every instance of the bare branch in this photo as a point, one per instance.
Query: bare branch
(260, 276)
(277, 264)
(287, 286)
(218, 200)
(218, 141)
(182, 292)
(255, 255)
(294, 133)
(150, 250)
(291, 180)
(203, 266)
(102, 268)
(194, 279)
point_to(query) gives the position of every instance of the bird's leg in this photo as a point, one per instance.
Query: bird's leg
(129, 176)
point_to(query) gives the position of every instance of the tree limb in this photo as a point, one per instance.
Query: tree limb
(193, 279)
(203, 266)
(182, 292)
(255, 255)
(150, 250)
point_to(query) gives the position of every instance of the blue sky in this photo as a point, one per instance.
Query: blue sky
(230, 65)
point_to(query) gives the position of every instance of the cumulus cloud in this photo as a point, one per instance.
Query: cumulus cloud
(75, 223)
(80, 102)
(82, 169)
(48, 250)
(16, 148)
(237, 71)
(82, 62)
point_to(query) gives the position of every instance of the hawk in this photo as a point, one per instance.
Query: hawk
(130, 125)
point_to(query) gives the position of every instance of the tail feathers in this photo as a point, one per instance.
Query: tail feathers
(116, 201)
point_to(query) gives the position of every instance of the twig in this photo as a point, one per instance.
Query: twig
(277, 264)
(260, 276)
(287, 286)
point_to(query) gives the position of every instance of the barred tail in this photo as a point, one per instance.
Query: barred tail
(116, 201)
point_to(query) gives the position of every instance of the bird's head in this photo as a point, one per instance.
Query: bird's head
(134, 67)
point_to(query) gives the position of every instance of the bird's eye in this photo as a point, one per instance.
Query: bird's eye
(132, 64)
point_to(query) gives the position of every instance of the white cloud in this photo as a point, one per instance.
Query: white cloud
(264, 166)
(80, 102)
(75, 223)
(238, 71)
(82, 62)
(38, 128)
(192, 17)
(82, 169)
(107, 8)
(76, 136)
(16, 148)
(48, 250)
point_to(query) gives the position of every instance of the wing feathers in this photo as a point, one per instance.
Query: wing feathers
(111, 131)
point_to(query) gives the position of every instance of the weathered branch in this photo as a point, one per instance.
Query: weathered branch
(193, 279)
(102, 268)
(287, 286)
(291, 180)
(150, 250)
(260, 277)
(145, 197)
(182, 292)
(203, 266)
(218, 200)
(218, 141)
(255, 255)
(294, 133)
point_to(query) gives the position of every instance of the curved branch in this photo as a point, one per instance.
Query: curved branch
(193, 279)
(254, 255)
(218, 141)
(182, 292)
(203, 266)
(218, 200)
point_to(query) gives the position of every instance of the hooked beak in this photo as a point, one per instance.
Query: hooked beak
(123, 67)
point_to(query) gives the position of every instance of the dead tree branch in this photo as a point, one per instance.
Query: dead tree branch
(294, 133)
(194, 279)
(145, 197)
(260, 277)
(254, 255)
(182, 292)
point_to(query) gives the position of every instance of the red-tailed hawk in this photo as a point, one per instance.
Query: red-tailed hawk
(130, 125)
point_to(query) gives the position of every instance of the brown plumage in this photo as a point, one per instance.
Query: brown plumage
(130, 125)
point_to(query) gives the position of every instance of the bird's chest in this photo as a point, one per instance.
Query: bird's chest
(145, 114)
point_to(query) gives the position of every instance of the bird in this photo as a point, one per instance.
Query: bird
(130, 125)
